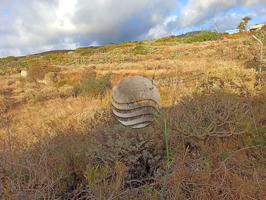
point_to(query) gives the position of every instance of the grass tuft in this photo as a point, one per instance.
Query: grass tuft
(94, 86)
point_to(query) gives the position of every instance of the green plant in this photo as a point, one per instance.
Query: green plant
(97, 173)
(166, 40)
(224, 155)
(201, 37)
(243, 24)
(88, 51)
(260, 141)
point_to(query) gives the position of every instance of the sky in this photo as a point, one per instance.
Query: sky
(32, 26)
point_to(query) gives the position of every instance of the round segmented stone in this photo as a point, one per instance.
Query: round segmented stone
(136, 105)
(134, 89)
(135, 101)
(142, 119)
(142, 125)
(135, 113)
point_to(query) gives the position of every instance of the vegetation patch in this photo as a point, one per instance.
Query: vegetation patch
(9, 65)
(37, 72)
(239, 81)
(215, 115)
(86, 51)
(202, 36)
(91, 85)
(261, 35)
(167, 40)
(142, 50)
(208, 142)
(140, 150)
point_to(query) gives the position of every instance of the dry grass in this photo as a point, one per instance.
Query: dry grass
(55, 144)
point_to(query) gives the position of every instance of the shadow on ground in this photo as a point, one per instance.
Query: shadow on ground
(209, 146)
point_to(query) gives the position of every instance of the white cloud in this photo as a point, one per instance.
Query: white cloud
(38, 25)
(196, 12)
(222, 23)
(30, 26)
(64, 13)
(164, 29)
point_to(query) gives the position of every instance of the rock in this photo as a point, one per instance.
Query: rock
(24, 74)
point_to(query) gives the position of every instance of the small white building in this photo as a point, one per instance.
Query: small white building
(233, 31)
(70, 52)
(257, 27)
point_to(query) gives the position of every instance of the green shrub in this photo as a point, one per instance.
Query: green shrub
(85, 51)
(260, 141)
(142, 50)
(88, 51)
(94, 86)
(202, 37)
(167, 40)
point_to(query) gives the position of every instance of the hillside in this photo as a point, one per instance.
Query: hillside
(59, 140)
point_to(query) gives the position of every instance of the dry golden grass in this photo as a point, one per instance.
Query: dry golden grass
(207, 143)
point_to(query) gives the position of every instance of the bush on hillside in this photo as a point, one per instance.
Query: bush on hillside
(202, 36)
(91, 85)
(85, 51)
(199, 36)
(88, 51)
(166, 40)
(142, 50)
